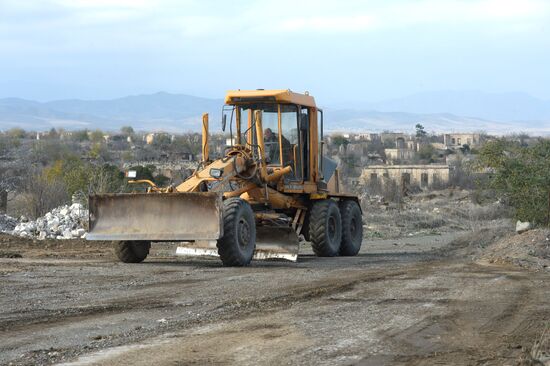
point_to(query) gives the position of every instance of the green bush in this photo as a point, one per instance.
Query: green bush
(83, 177)
(426, 152)
(521, 175)
(148, 172)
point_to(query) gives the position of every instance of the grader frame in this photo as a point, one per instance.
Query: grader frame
(271, 185)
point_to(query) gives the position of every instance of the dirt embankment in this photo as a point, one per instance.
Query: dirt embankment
(501, 246)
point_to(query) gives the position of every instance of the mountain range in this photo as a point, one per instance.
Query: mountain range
(438, 111)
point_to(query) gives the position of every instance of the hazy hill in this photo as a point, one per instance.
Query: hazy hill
(441, 111)
(503, 107)
(141, 107)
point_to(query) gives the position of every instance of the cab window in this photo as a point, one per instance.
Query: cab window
(290, 140)
(270, 124)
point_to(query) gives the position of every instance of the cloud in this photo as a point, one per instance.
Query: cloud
(128, 4)
(327, 24)
(375, 16)
(282, 15)
(123, 24)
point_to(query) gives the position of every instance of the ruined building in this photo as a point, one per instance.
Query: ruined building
(424, 176)
(457, 140)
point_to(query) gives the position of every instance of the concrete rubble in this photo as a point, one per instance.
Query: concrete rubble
(522, 227)
(7, 223)
(64, 222)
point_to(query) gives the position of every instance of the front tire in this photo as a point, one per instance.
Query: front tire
(325, 228)
(236, 246)
(352, 228)
(132, 251)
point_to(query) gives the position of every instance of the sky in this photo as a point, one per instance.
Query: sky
(337, 50)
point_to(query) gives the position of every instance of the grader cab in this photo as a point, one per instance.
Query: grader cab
(272, 186)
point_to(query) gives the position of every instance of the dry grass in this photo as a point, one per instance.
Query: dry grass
(539, 354)
(432, 213)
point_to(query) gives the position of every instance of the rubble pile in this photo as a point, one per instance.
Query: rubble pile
(7, 223)
(65, 222)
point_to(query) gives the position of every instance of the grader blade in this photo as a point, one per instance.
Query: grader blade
(156, 216)
(275, 242)
(271, 243)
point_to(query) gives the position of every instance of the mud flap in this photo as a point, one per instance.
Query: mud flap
(156, 216)
(271, 243)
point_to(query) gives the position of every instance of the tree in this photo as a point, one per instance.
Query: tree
(106, 178)
(147, 172)
(420, 131)
(521, 175)
(43, 194)
(426, 152)
(6, 143)
(100, 152)
(162, 140)
(96, 136)
(16, 133)
(46, 152)
(81, 135)
(72, 172)
(127, 156)
(127, 130)
(53, 134)
(339, 140)
(465, 149)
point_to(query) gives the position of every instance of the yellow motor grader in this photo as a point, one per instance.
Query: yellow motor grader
(272, 185)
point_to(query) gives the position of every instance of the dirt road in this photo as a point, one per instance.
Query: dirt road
(398, 302)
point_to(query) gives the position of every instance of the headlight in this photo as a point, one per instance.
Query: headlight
(216, 173)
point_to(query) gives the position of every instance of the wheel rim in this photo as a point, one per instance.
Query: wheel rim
(244, 233)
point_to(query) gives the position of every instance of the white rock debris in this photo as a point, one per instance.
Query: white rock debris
(65, 222)
(7, 223)
(522, 227)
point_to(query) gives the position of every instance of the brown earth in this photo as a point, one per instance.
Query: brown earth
(421, 300)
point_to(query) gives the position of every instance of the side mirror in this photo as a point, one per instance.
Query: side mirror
(224, 122)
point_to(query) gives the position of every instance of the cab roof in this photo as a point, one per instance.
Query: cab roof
(259, 95)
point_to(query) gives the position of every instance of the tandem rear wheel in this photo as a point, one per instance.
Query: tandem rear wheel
(335, 228)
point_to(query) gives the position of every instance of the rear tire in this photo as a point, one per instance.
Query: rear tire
(236, 246)
(325, 228)
(132, 251)
(352, 228)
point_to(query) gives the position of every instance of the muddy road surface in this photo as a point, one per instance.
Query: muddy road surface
(399, 302)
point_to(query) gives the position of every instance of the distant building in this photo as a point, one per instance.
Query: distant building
(367, 137)
(393, 136)
(356, 149)
(424, 176)
(457, 140)
(230, 141)
(371, 158)
(149, 138)
(401, 154)
(438, 146)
